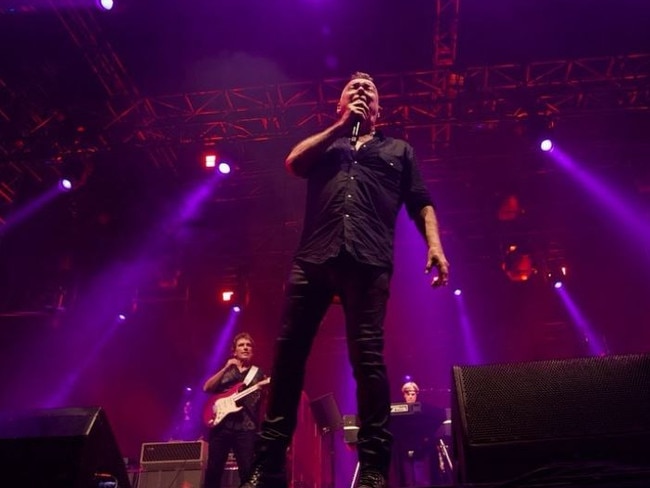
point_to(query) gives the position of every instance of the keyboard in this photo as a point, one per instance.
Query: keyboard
(402, 408)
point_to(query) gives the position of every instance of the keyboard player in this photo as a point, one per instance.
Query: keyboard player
(410, 391)
(414, 425)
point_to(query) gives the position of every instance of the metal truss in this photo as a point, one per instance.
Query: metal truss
(414, 102)
(123, 94)
(445, 33)
(445, 43)
(34, 142)
(20, 122)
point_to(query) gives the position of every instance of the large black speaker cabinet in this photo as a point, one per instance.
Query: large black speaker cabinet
(60, 448)
(544, 420)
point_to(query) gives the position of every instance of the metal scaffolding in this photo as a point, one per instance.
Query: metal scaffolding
(427, 104)
(411, 101)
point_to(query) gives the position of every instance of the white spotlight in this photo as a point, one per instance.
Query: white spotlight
(224, 168)
(546, 145)
(65, 184)
(105, 4)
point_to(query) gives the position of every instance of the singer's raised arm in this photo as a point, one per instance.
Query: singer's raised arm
(302, 156)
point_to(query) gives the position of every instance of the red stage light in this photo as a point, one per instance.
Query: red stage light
(210, 160)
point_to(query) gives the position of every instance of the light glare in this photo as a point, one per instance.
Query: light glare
(210, 160)
(65, 184)
(546, 145)
(106, 4)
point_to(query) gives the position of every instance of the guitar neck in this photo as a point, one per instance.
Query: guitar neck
(247, 391)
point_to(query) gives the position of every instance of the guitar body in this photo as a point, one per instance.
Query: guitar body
(220, 405)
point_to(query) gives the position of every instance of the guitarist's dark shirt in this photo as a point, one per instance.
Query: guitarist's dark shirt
(248, 417)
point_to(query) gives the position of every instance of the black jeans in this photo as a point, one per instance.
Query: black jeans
(220, 441)
(364, 291)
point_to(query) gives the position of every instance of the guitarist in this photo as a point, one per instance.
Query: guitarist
(238, 429)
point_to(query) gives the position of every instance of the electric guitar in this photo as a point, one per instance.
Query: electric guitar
(219, 406)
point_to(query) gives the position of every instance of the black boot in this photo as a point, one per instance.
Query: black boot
(369, 478)
(262, 477)
(269, 468)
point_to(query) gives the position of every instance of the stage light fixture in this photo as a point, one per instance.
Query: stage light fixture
(227, 296)
(458, 292)
(65, 184)
(210, 160)
(518, 264)
(510, 208)
(546, 145)
(224, 168)
(556, 274)
(105, 4)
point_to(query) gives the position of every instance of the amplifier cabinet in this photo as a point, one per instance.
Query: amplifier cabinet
(176, 478)
(157, 456)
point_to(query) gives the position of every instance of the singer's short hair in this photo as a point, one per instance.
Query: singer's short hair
(240, 336)
(361, 75)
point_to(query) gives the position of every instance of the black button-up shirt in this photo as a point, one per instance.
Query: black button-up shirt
(353, 198)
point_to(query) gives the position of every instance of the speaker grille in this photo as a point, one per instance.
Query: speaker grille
(171, 455)
(555, 399)
(525, 419)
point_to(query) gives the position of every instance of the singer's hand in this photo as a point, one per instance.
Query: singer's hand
(437, 259)
(356, 110)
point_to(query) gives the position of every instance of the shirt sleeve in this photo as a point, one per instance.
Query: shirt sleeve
(416, 196)
(229, 379)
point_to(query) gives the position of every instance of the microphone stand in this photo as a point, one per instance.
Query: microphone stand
(325, 431)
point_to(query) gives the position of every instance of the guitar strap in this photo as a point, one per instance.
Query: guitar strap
(251, 374)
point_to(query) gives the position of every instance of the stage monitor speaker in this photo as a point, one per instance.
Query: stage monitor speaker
(60, 448)
(326, 413)
(545, 419)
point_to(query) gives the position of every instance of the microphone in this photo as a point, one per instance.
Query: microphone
(355, 132)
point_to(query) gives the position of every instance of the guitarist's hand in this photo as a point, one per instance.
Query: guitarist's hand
(232, 361)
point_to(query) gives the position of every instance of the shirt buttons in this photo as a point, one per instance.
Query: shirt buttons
(347, 216)
(349, 195)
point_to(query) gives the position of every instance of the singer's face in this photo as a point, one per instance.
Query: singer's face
(365, 90)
